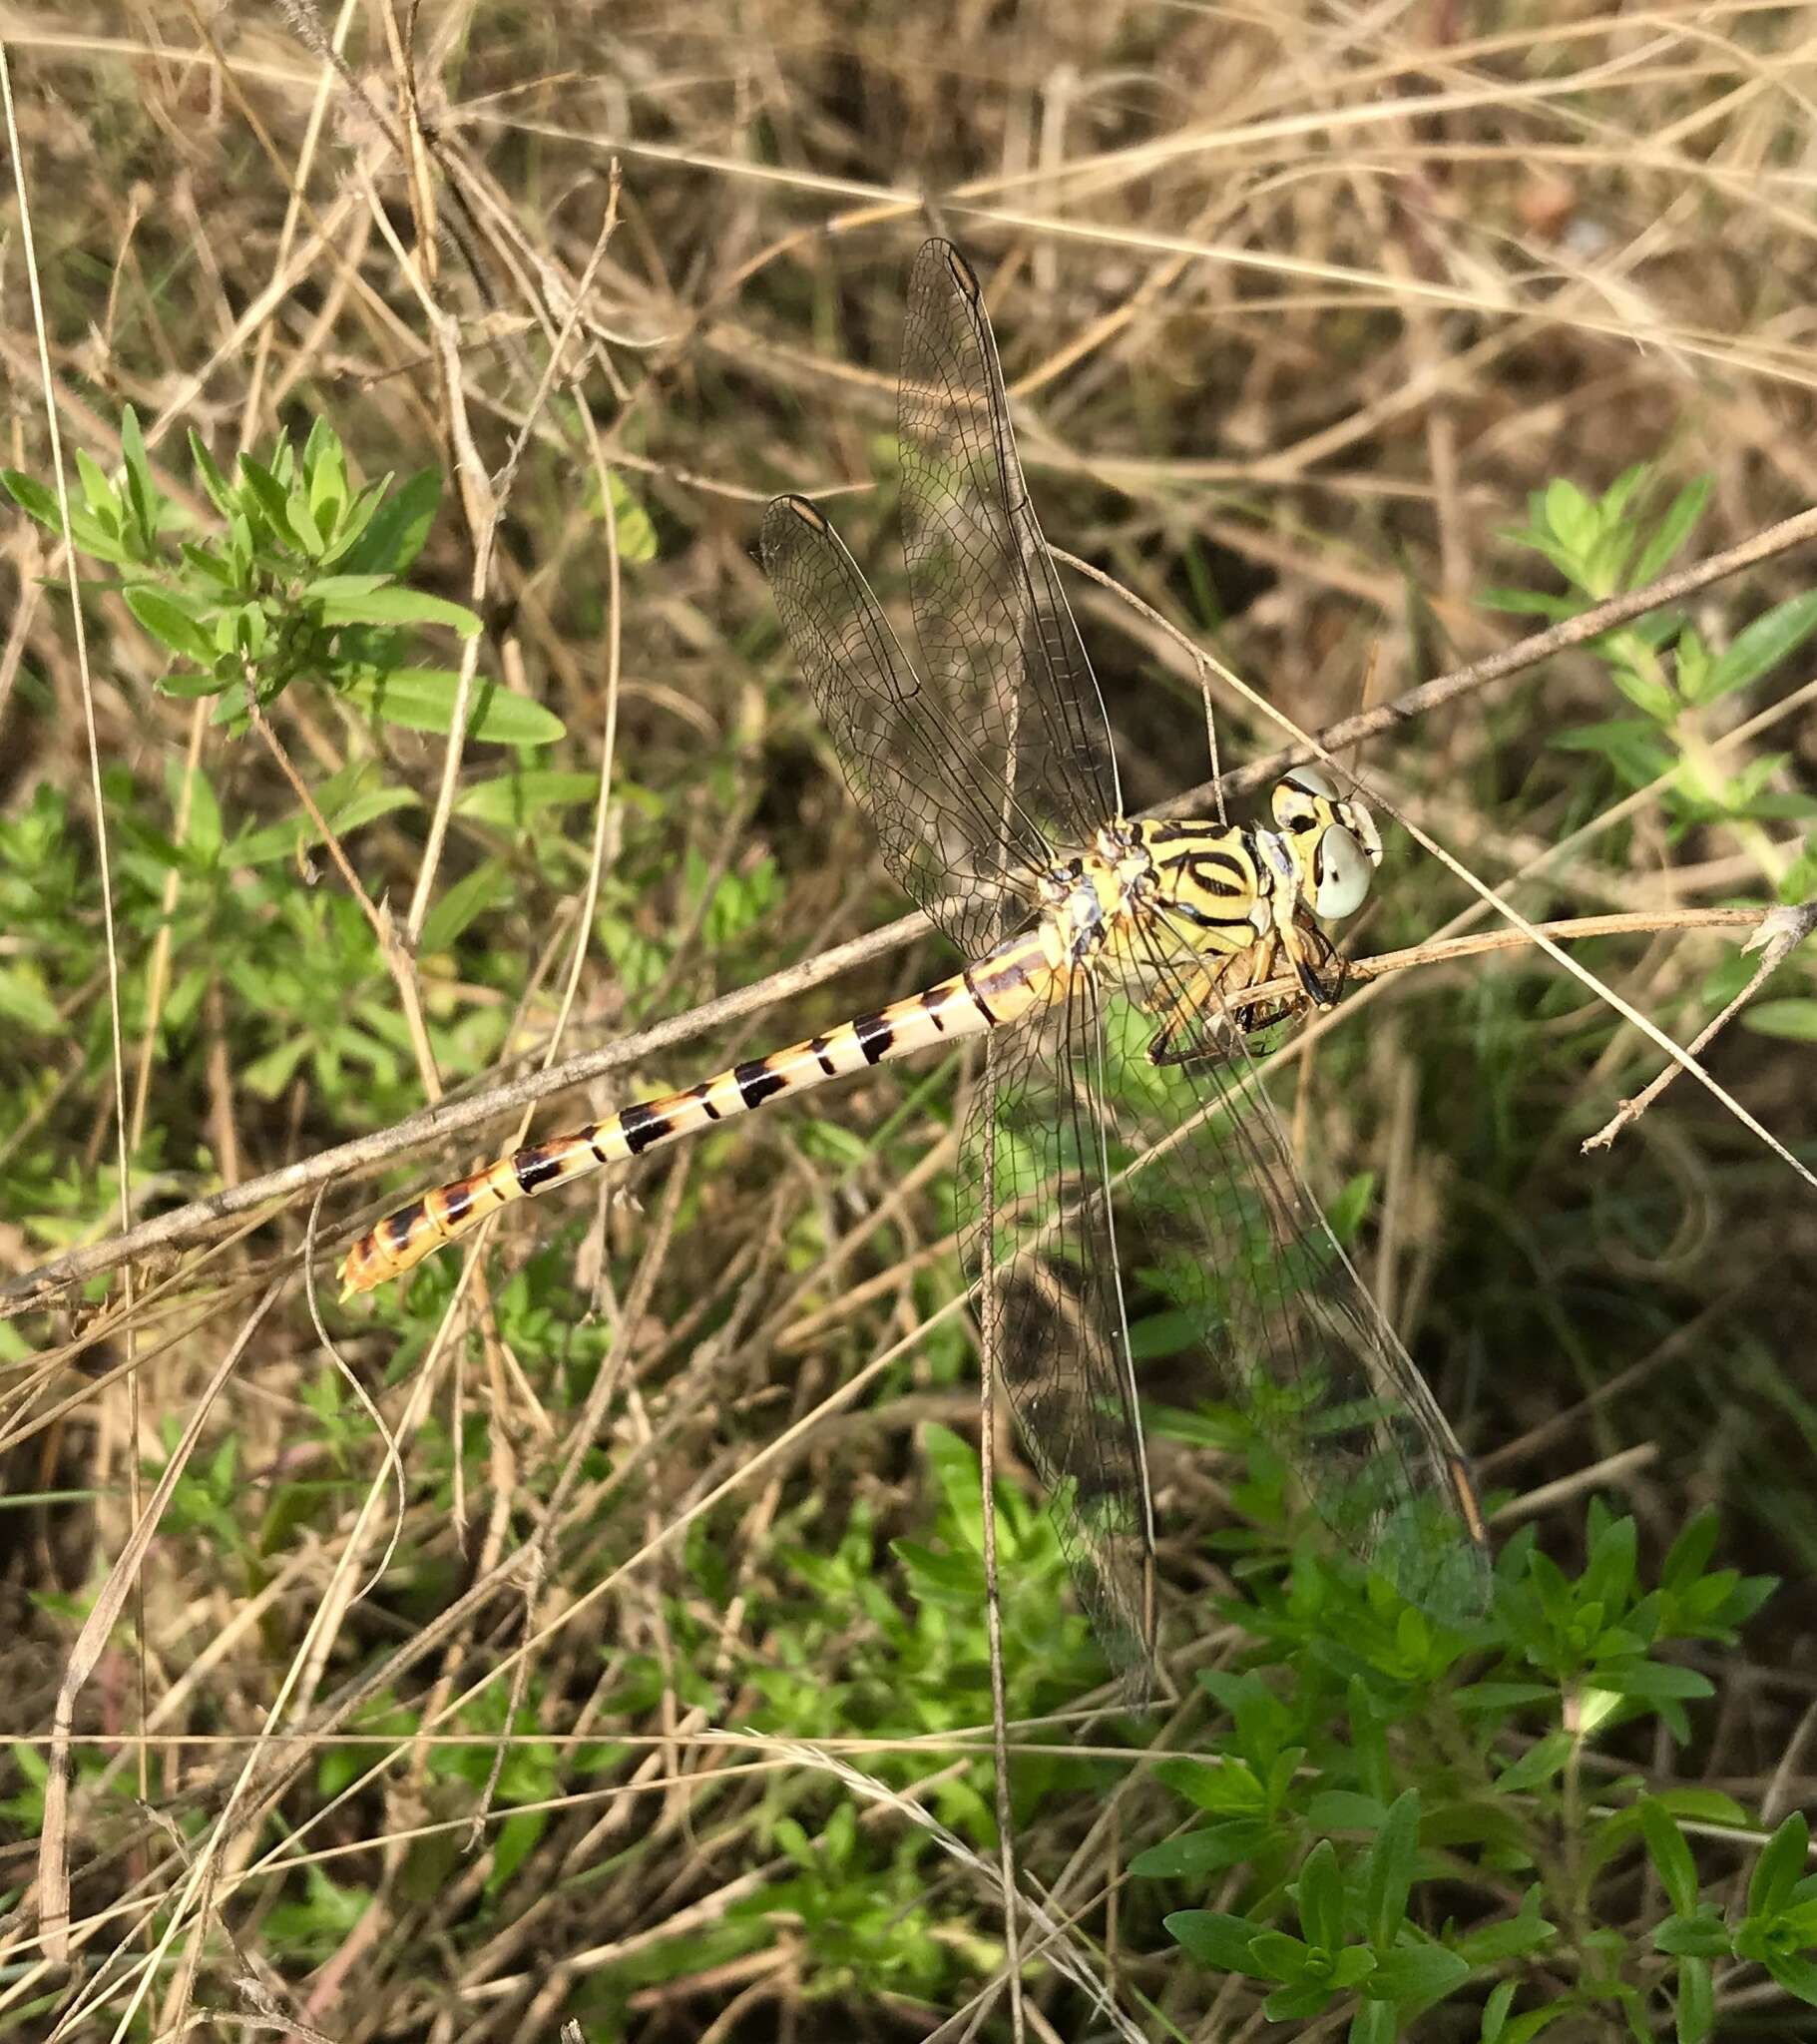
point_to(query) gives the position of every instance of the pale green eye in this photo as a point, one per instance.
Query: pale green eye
(1343, 874)
(1311, 779)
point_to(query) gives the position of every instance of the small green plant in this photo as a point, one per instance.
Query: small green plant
(300, 581)
(1300, 1821)
(1663, 664)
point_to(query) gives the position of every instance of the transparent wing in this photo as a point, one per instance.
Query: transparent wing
(949, 832)
(1246, 1264)
(1037, 1230)
(996, 635)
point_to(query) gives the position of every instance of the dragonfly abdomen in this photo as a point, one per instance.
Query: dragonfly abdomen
(998, 989)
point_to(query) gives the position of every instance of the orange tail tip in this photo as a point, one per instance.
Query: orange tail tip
(388, 1252)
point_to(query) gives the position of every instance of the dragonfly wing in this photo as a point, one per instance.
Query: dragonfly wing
(952, 841)
(997, 634)
(1039, 1243)
(1249, 1267)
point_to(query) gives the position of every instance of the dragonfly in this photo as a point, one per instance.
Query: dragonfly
(1118, 1153)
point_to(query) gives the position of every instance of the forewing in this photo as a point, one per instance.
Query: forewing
(996, 635)
(1258, 1285)
(953, 841)
(1039, 1243)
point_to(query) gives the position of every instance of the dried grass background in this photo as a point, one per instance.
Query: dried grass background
(1297, 304)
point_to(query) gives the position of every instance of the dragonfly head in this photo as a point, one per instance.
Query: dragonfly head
(1331, 839)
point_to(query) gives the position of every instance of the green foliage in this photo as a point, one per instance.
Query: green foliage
(1665, 667)
(1296, 1817)
(300, 580)
(1660, 662)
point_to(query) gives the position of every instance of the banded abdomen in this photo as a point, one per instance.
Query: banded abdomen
(999, 989)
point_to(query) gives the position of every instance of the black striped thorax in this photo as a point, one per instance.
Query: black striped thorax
(1215, 879)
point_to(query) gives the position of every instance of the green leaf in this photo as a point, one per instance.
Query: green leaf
(1532, 602)
(1227, 1789)
(399, 529)
(1670, 1856)
(1697, 2001)
(1374, 2023)
(1276, 1955)
(1645, 693)
(279, 842)
(171, 625)
(1794, 1017)
(1780, 1864)
(32, 498)
(422, 699)
(210, 476)
(1542, 1761)
(1511, 1938)
(1763, 645)
(1655, 1681)
(1213, 1938)
(1570, 516)
(98, 492)
(23, 1000)
(1796, 1975)
(636, 537)
(512, 800)
(1671, 531)
(1319, 1896)
(141, 491)
(1388, 1879)
(1702, 1935)
(469, 897)
(1210, 1849)
(388, 605)
(1495, 2010)
(1415, 1976)
(260, 491)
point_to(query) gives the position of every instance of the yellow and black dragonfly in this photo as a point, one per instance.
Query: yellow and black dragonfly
(1119, 1114)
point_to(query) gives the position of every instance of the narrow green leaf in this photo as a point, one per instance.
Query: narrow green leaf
(1319, 1896)
(32, 498)
(98, 492)
(1276, 1955)
(1536, 1765)
(1670, 1856)
(1797, 1975)
(1495, 2010)
(1671, 531)
(636, 537)
(1645, 693)
(1210, 1849)
(277, 842)
(1763, 645)
(395, 605)
(1414, 1976)
(512, 800)
(1532, 602)
(210, 476)
(422, 699)
(170, 624)
(141, 491)
(260, 491)
(1697, 2001)
(1374, 2023)
(398, 530)
(1570, 517)
(1780, 1864)
(470, 897)
(1388, 1879)
(1794, 1018)
(23, 1000)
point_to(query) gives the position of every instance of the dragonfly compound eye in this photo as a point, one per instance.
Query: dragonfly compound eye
(1341, 874)
(1312, 781)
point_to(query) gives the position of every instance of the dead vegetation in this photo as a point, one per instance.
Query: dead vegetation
(499, 1713)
